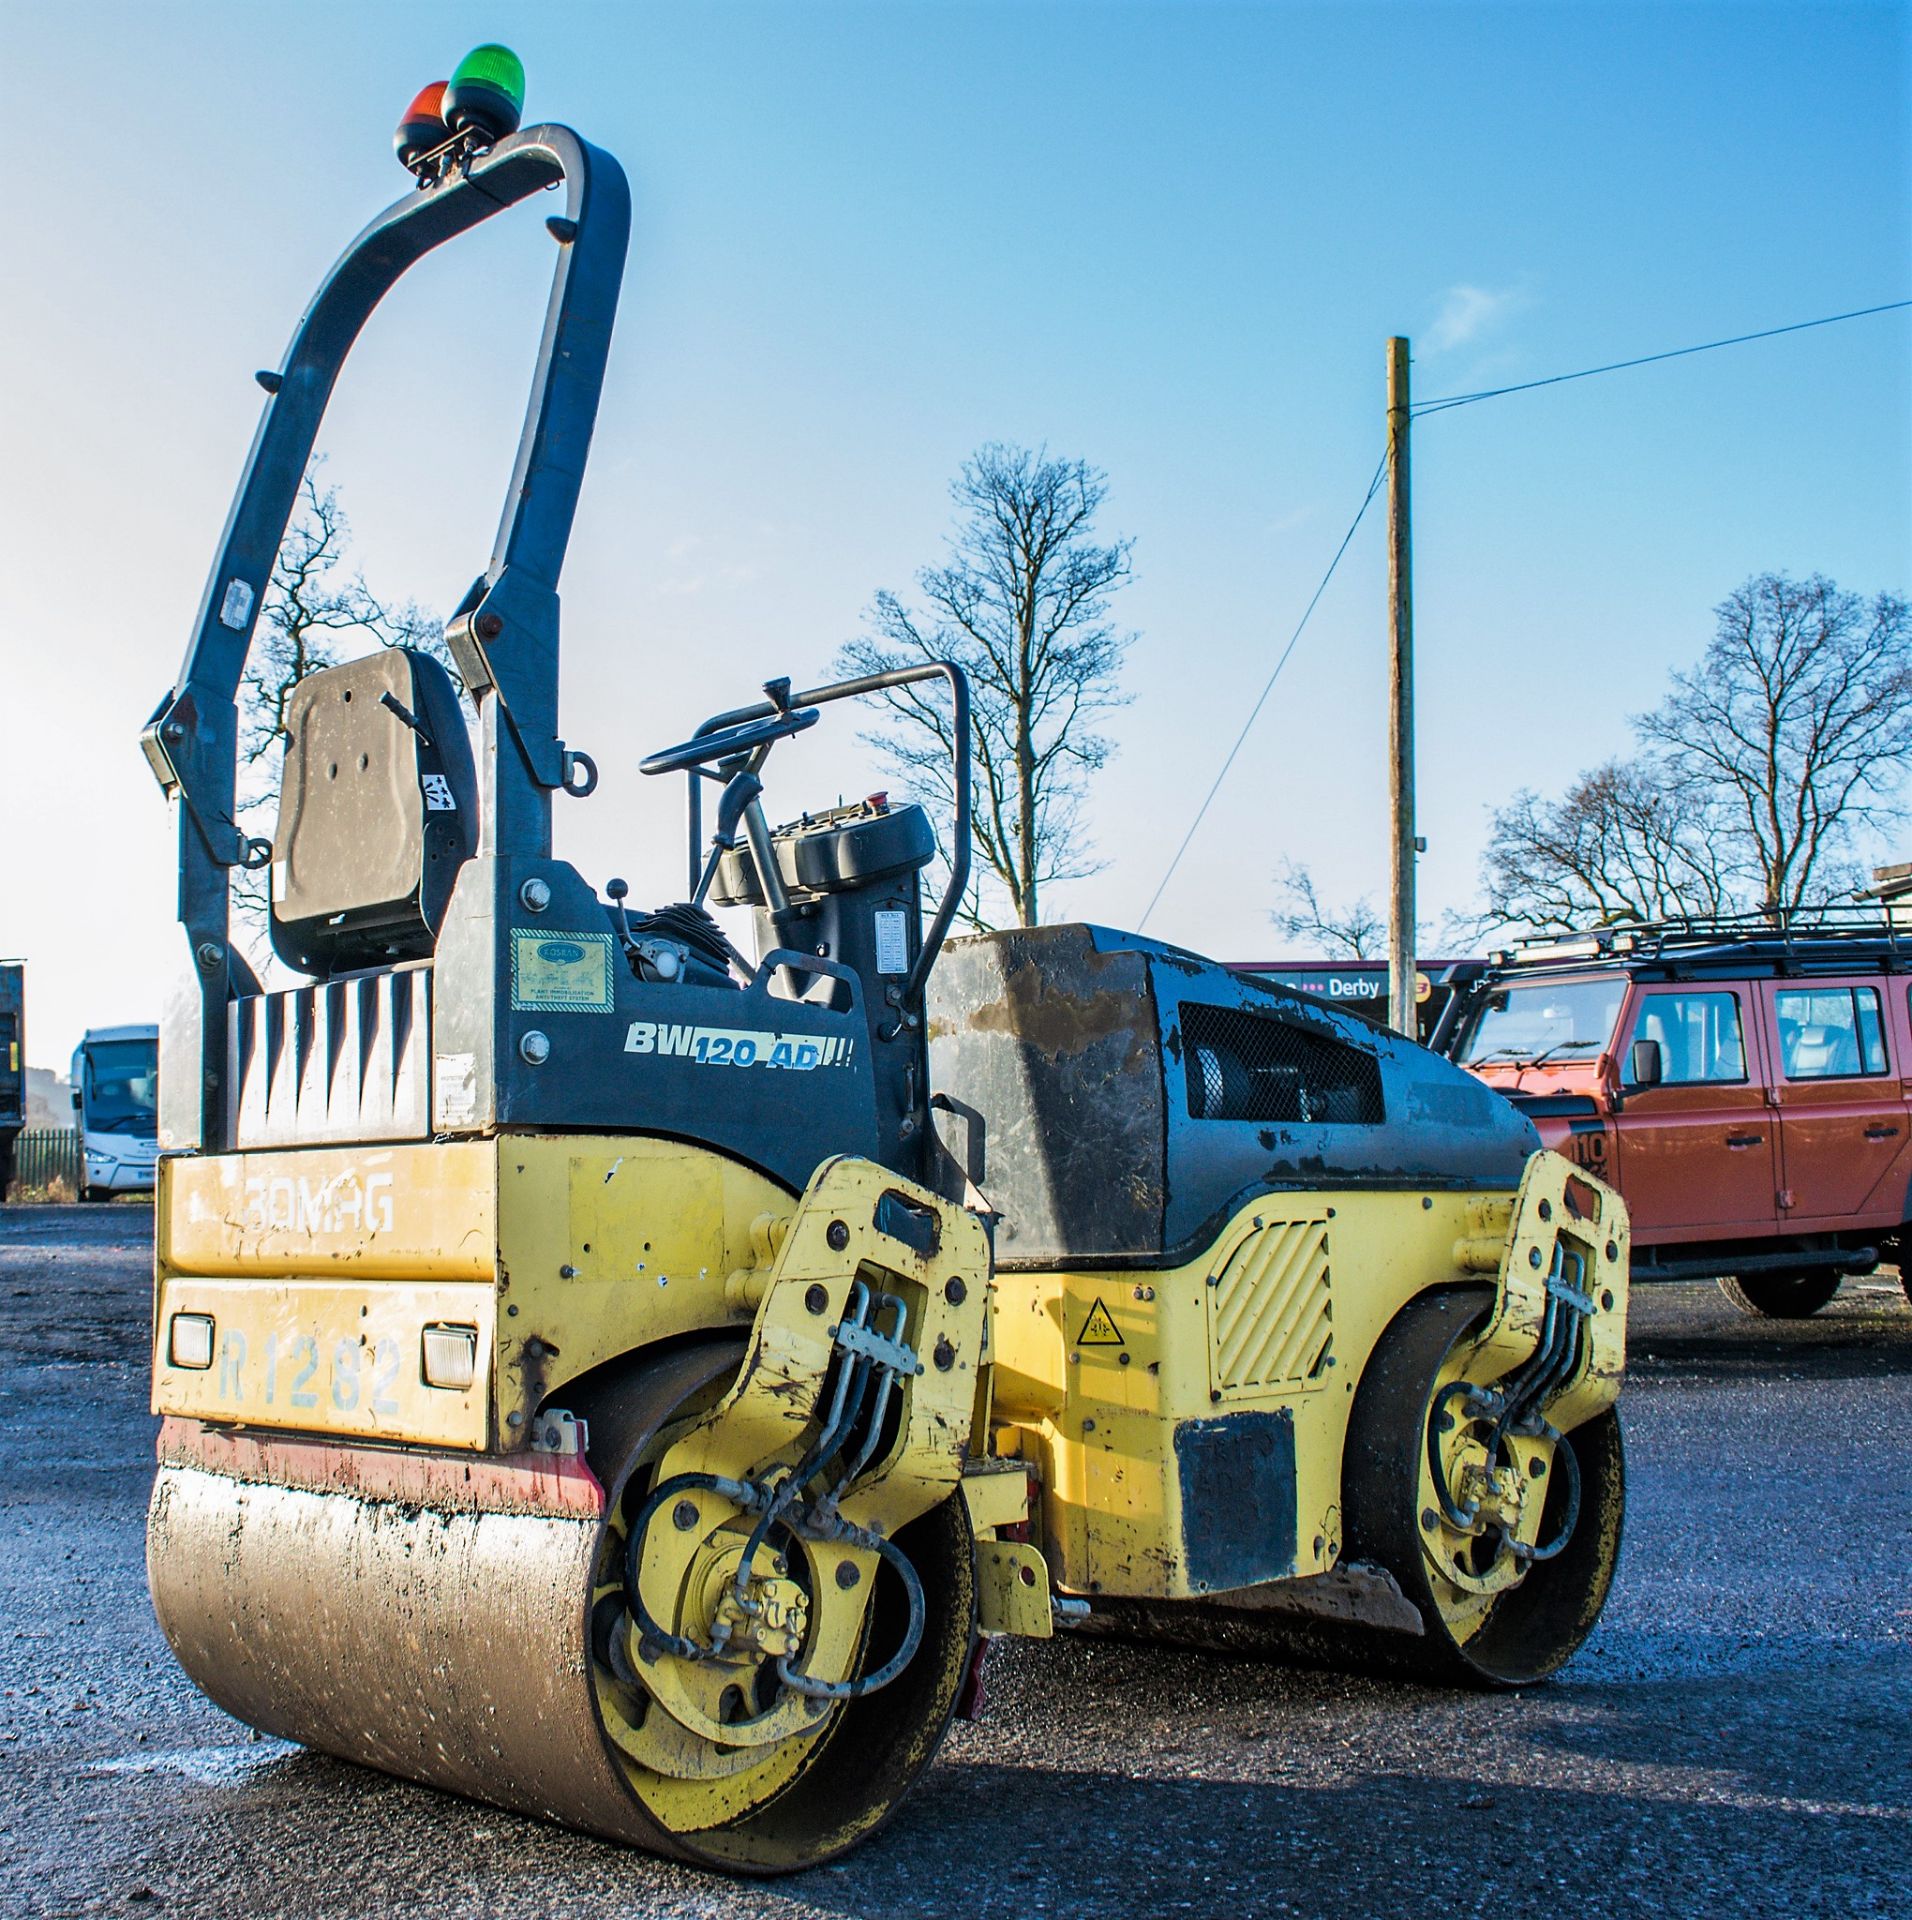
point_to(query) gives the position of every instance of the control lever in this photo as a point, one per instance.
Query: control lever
(654, 959)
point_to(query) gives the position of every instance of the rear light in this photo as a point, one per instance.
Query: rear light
(189, 1340)
(450, 1357)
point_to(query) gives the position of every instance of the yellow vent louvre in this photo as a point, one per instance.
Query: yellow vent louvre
(1270, 1320)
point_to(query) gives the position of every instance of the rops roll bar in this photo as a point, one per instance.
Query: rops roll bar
(505, 632)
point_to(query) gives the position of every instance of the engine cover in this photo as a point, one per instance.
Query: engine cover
(1115, 1099)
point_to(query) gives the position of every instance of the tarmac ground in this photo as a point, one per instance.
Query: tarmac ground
(1733, 1740)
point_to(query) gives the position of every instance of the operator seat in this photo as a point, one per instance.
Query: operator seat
(378, 809)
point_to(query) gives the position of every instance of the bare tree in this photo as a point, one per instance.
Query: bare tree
(1759, 771)
(1021, 605)
(1355, 932)
(314, 613)
(1796, 722)
(1626, 842)
(311, 615)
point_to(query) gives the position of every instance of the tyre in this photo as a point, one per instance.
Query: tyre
(1781, 1296)
(1481, 1628)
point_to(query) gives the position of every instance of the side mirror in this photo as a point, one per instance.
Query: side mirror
(1646, 1065)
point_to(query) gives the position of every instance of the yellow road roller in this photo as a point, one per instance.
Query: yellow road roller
(629, 1380)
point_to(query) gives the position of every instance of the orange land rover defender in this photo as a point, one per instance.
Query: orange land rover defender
(1747, 1088)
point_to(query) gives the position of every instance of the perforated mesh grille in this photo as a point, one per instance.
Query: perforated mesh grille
(1251, 1066)
(1271, 1320)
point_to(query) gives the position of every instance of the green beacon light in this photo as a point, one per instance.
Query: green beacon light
(486, 92)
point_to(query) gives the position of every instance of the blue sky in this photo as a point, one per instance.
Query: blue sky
(1170, 239)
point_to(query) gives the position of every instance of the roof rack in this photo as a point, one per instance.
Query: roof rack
(1781, 934)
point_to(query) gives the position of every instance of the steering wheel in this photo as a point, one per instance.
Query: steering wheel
(727, 742)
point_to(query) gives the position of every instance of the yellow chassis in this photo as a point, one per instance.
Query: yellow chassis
(321, 1268)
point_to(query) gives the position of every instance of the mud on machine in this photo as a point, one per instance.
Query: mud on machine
(629, 1381)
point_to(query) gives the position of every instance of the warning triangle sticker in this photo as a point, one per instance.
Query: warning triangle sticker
(1099, 1330)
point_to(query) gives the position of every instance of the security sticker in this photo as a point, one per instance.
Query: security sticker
(553, 972)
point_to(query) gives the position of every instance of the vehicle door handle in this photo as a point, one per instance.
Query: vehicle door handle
(1744, 1139)
(1882, 1133)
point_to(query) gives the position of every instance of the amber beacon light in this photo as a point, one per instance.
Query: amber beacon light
(423, 126)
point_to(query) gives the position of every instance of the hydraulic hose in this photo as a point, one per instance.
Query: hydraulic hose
(912, 1632)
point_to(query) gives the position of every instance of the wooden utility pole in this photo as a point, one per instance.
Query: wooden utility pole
(1401, 1002)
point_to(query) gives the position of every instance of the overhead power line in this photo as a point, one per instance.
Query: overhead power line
(1649, 359)
(1442, 405)
(1254, 713)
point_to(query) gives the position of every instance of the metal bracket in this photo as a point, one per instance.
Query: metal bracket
(893, 1354)
(556, 1431)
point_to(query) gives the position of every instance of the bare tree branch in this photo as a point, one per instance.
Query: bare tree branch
(313, 616)
(1624, 843)
(1355, 932)
(1796, 722)
(1021, 606)
(1760, 768)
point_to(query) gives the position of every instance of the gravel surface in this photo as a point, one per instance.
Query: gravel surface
(1732, 1741)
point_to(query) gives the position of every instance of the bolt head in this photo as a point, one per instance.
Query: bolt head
(536, 894)
(955, 1292)
(535, 1047)
(488, 626)
(209, 953)
(838, 1236)
(684, 1515)
(848, 1573)
(944, 1356)
(816, 1298)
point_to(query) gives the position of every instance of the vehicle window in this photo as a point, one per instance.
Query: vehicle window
(1829, 1033)
(1545, 1020)
(1699, 1034)
(122, 1085)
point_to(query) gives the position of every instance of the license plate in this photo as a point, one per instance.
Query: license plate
(311, 1356)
